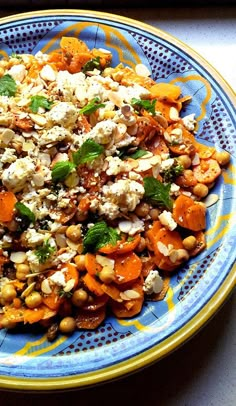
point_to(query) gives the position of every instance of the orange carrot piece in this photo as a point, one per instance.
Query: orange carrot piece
(122, 246)
(201, 243)
(112, 291)
(53, 300)
(97, 302)
(71, 273)
(91, 264)
(90, 320)
(73, 45)
(93, 285)
(129, 308)
(33, 315)
(127, 267)
(165, 91)
(207, 171)
(167, 238)
(7, 204)
(189, 214)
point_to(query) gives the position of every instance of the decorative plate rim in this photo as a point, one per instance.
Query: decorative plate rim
(186, 332)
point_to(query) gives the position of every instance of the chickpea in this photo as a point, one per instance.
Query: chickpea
(34, 299)
(200, 190)
(80, 297)
(107, 275)
(21, 271)
(190, 243)
(141, 246)
(8, 293)
(142, 209)
(80, 262)
(154, 213)
(185, 161)
(67, 325)
(74, 232)
(222, 158)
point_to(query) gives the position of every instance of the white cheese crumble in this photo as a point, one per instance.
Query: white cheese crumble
(167, 220)
(153, 283)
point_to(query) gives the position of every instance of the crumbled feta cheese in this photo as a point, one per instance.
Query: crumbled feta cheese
(153, 283)
(53, 135)
(167, 220)
(189, 122)
(132, 226)
(34, 238)
(116, 165)
(18, 72)
(58, 278)
(18, 173)
(8, 156)
(64, 114)
(167, 164)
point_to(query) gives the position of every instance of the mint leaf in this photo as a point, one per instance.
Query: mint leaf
(92, 64)
(138, 154)
(92, 106)
(61, 170)
(44, 252)
(7, 86)
(40, 101)
(144, 104)
(98, 236)
(24, 211)
(157, 192)
(88, 151)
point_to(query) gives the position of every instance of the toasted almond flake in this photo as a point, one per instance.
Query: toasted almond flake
(104, 51)
(173, 256)
(38, 119)
(47, 73)
(38, 179)
(28, 146)
(115, 98)
(71, 244)
(148, 163)
(174, 114)
(142, 70)
(167, 136)
(18, 257)
(132, 129)
(7, 136)
(28, 290)
(196, 159)
(163, 248)
(177, 131)
(45, 287)
(69, 285)
(105, 262)
(132, 294)
(211, 199)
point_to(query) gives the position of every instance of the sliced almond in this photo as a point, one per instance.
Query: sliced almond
(69, 285)
(174, 114)
(7, 136)
(38, 119)
(142, 70)
(45, 287)
(18, 257)
(105, 262)
(28, 290)
(211, 199)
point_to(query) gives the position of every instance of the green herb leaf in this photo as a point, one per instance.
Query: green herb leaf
(67, 295)
(88, 151)
(25, 212)
(144, 104)
(170, 174)
(157, 192)
(7, 86)
(44, 252)
(92, 106)
(138, 154)
(14, 55)
(92, 64)
(61, 170)
(98, 236)
(40, 101)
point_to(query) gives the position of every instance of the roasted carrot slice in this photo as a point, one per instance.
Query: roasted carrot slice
(165, 91)
(129, 308)
(127, 267)
(189, 214)
(88, 320)
(33, 315)
(7, 204)
(207, 171)
(73, 45)
(122, 246)
(93, 285)
(91, 264)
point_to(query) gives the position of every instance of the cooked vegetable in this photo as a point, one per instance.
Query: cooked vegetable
(7, 86)
(39, 101)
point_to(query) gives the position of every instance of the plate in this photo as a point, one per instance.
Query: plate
(119, 347)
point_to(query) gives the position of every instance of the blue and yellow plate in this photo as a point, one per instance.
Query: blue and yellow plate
(118, 347)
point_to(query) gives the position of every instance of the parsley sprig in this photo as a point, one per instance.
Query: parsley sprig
(147, 105)
(44, 252)
(92, 106)
(92, 64)
(39, 101)
(8, 86)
